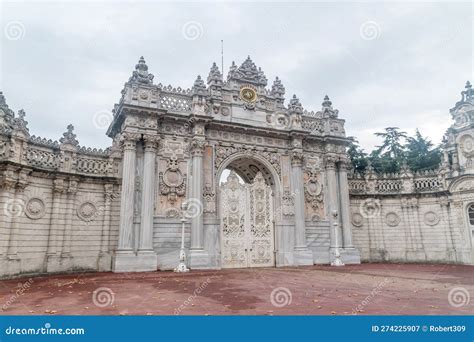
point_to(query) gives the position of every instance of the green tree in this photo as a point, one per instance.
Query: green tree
(389, 156)
(358, 156)
(421, 155)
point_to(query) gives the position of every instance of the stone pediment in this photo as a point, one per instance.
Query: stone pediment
(247, 73)
(461, 184)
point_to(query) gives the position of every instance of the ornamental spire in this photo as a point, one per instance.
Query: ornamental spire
(141, 75)
(295, 105)
(247, 73)
(6, 114)
(327, 111)
(20, 124)
(214, 74)
(278, 90)
(199, 87)
(69, 137)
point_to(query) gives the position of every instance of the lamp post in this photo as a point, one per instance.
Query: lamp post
(337, 255)
(182, 253)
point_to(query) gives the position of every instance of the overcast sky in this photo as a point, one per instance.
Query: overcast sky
(382, 64)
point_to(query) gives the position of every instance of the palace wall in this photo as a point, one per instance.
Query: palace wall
(410, 218)
(60, 204)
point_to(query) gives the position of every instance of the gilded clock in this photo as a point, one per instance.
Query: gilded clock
(248, 94)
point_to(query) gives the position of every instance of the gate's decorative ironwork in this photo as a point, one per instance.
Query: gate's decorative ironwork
(247, 234)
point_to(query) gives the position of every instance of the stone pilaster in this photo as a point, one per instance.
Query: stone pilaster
(345, 205)
(104, 263)
(124, 259)
(71, 197)
(333, 203)
(146, 254)
(303, 256)
(53, 253)
(199, 258)
(350, 255)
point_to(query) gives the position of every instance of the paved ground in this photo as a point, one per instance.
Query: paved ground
(385, 289)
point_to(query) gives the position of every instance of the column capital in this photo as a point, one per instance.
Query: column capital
(197, 147)
(72, 187)
(297, 157)
(128, 140)
(330, 162)
(345, 164)
(59, 186)
(151, 142)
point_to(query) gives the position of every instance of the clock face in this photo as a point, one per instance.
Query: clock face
(248, 94)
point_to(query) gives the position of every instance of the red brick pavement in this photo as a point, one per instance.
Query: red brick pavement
(381, 289)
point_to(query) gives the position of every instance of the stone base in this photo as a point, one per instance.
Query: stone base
(58, 263)
(104, 263)
(349, 256)
(9, 267)
(284, 259)
(303, 256)
(198, 259)
(131, 262)
(415, 256)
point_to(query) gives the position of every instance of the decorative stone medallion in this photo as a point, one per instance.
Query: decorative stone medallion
(357, 220)
(392, 219)
(431, 218)
(87, 211)
(35, 208)
(248, 94)
(467, 145)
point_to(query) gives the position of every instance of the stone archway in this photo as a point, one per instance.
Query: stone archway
(247, 197)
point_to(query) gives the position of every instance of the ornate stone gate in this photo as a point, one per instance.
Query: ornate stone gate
(247, 232)
(176, 144)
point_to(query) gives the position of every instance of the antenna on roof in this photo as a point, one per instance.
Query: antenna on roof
(222, 57)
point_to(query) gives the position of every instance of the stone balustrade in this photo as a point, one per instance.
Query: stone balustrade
(371, 183)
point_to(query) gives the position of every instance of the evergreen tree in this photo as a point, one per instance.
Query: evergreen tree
(420, 153)
(358, 156)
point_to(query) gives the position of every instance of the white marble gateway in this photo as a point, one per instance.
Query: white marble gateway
(260, 179)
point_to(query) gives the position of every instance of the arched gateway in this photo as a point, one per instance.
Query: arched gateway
(177, 143)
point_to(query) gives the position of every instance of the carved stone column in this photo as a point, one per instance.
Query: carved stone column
(333, 203)
(303, 256)
(18, 207)
(124, 256)
(104, 255)
(53, 263)
(146, 254)
(198, 256)
(71, 196)
(345, 205)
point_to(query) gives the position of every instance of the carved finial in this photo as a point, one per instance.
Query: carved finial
(69, 137)
(295, 105)
(2, 99)
(468, 94)
(214, 74)
(278, 90)
(199, 86)
(141, 74)
(247, 73)
(327, 103)
(20, 124)
(327, 111)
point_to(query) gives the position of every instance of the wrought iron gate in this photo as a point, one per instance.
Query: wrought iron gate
(247, 234)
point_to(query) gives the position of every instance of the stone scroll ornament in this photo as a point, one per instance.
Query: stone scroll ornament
(313, 189)
(172, 181)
